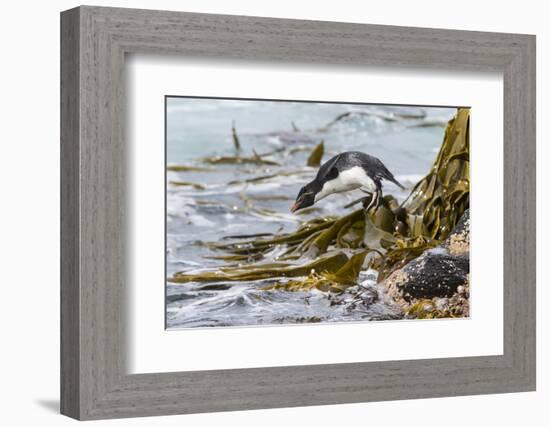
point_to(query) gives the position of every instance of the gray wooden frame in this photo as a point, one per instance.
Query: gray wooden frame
(94, 41)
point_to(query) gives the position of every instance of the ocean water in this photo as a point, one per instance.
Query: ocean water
(220, 204)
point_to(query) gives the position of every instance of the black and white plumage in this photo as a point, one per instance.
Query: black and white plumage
(346, 171)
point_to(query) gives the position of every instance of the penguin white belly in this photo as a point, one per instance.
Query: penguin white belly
(350, 179)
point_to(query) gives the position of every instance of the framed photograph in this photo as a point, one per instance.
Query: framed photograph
(262, 213)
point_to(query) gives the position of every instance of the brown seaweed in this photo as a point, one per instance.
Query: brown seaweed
(236, 141)
(195, 185)
(239, 160)
(314, 159)
(185, 168)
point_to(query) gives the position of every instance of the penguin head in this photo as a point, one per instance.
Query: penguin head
(305, 198)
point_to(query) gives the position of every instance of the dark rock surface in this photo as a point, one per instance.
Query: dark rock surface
(458, 242)
(434, 275)
(463, 225)
(438, 280)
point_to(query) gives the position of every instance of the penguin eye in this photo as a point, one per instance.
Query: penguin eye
(304, 194)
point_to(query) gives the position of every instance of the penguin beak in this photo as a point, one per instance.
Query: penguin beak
(295, 207)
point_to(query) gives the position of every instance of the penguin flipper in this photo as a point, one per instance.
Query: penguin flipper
(328, 170)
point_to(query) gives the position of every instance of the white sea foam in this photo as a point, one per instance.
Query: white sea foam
(200, 221)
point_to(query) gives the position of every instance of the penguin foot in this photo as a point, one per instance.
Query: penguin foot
(374, 202)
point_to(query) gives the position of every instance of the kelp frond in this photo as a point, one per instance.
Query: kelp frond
(236, 141)
(195, 185)
(240, 160)
(316, 155)
(186, 168)
(336, 281)
(329, 262)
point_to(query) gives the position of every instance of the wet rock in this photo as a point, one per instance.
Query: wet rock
(436, 284)
(463, 225)
(458, 242)
(456, 306)
(432, 275)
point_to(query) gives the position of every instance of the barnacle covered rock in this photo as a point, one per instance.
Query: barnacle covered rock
(436, 284)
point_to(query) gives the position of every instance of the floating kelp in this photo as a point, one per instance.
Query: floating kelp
(245, 208)
(314, 159)
(255, 159)
(429, 124)
(252, 180)
(195, 185)
(385, 238)
(314, 237)
(351, 114)
(336, 281)
(236, 141)
(388, 117)
(247, 236)
(238, 160)
(420, 115)
(237, 258)
(267, 177)
(298, 149)
(329, 262)
(184, 168)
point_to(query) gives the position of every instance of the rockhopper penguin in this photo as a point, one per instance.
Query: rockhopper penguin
(345, 172)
